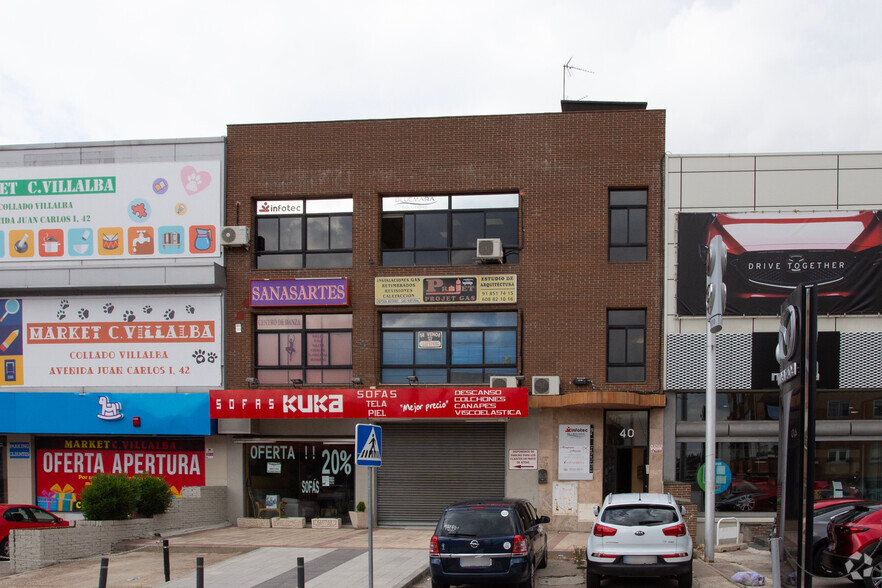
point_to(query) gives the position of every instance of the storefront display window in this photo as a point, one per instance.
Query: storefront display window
(315, 348)
(300, 479)
(850, 468)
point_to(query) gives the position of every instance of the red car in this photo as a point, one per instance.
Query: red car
(24, 516)
(855, 545)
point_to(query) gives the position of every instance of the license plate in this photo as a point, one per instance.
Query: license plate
(475, 562)
(640, 559)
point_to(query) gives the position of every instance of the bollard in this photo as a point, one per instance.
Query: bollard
(102, 575)
(301, 575)
(200, 573)
(165, 563)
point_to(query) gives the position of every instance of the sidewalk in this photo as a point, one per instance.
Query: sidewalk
(239, 557)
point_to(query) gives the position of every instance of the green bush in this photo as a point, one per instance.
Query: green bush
(153, 495)
(359, 507)
(110, 497)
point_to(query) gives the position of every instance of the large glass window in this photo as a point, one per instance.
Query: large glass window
(626, 346)
(844, 468)
(299, 479)
(314, 348)
(627, 225)
(304, 233)
(444, 229)
(753, 405)
(456, 347)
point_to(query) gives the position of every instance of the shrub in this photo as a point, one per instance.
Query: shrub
(153, 495)
(110, 497)
(359, 507)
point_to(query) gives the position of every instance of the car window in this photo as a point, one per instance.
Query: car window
(526, 519)
(636, 515)
(477, 522)
(17, 515)
(42, 516)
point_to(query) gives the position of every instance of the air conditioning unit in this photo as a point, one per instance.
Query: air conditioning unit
(546, 385)
(503, 382)
(232, 236)
(490, 249)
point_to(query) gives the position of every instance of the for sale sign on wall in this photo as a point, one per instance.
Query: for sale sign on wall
(65, 465)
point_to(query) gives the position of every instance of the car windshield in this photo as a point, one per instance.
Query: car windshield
(636, 515)
(477, 522)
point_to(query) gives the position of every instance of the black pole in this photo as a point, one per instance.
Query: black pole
(165, 563)
(200, 573)
(102, 575)
(301, 575)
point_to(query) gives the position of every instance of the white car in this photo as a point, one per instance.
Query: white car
(639, 535)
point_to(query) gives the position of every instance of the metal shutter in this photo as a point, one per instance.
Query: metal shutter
(427, 466)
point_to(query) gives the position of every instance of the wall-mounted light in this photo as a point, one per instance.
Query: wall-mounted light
(136, 421)
(357, 382)
(252, 382)
(520, 378)
(296, 381)
(413, 379)
(581, 382)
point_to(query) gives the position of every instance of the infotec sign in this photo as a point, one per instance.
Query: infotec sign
(279, 207)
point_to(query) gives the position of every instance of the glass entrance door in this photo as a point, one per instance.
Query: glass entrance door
(625, 451)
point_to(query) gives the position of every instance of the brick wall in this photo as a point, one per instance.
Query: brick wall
(36, 548)
(561, 164)
(682, 493)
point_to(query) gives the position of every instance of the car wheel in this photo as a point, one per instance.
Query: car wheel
(544, 562)
(819, 569)
(592, 580)
(747, 505)
(685, 580)
(4, 548)
(873, 574)
(530, 582)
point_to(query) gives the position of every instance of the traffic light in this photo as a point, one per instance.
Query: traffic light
(716, 289)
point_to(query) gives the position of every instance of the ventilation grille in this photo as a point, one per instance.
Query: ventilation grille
(686, 361)
(859, 365)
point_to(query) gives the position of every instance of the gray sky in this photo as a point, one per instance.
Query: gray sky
(733, 75)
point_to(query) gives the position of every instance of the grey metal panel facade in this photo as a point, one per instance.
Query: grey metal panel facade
(429, 465)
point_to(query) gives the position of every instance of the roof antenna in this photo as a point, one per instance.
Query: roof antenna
(567, 67)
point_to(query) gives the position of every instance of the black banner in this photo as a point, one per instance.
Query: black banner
(769, 254)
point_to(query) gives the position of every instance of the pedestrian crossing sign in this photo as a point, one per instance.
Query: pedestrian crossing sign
(368, 445)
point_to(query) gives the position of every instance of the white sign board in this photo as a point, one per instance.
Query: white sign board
(116, 340)
(563, 498)
(523, 459)
(110, 212)
(575, 451)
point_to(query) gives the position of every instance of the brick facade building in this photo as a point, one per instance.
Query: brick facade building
(570, 206)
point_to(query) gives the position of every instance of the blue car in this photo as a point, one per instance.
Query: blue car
(488, 541)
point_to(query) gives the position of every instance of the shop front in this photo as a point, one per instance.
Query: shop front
(439, 445)
(56, 453)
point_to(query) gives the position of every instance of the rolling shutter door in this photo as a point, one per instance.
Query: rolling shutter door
(427, 466)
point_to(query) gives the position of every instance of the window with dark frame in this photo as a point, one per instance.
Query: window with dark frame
(627, 225)
(626, 345)
(313, 348)
(444, 229)
(294, 234)
(455, 347)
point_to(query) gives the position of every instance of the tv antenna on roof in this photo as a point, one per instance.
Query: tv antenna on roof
(567, 67)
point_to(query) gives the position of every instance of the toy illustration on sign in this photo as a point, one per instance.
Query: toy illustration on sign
(194, 181)
(110, 411)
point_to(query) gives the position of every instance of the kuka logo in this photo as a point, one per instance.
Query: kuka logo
(313, 403)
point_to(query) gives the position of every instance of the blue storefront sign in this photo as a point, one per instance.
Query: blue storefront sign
(104, 413)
